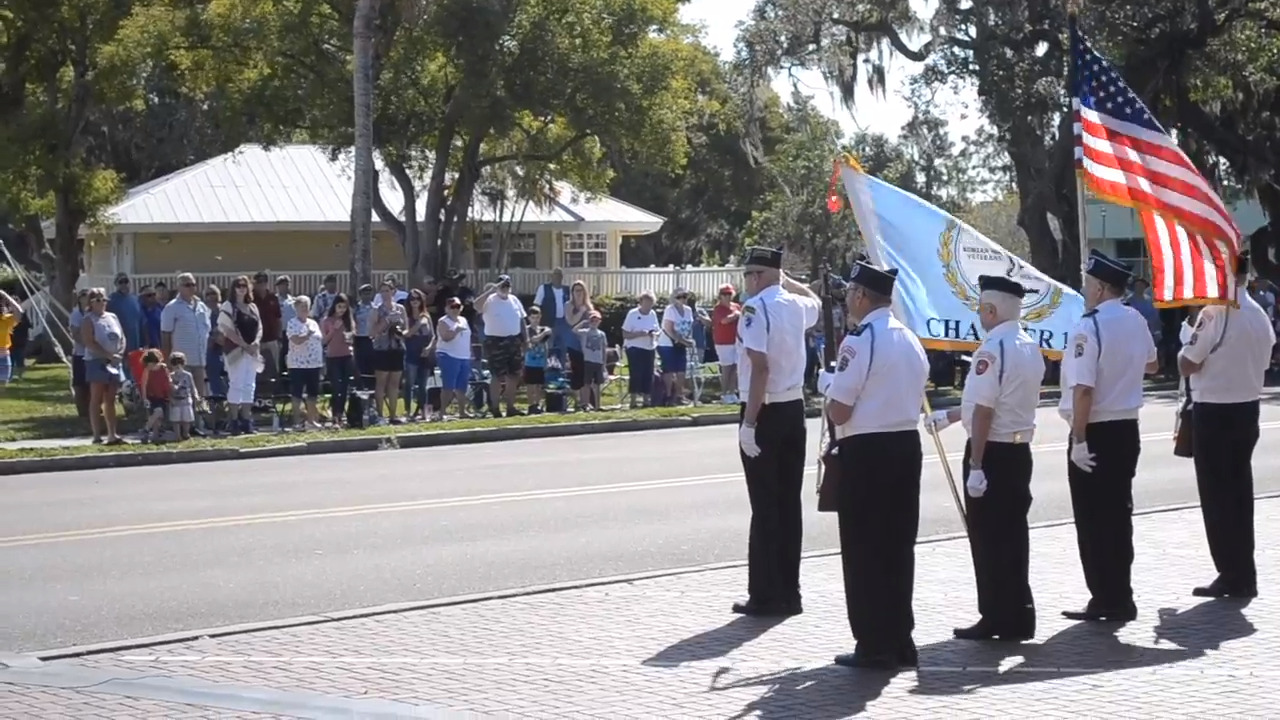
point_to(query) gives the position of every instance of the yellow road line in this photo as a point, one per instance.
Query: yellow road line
(433, 504)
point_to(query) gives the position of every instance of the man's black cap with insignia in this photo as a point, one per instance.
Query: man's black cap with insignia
(873, 278)
(1108, 270)
(1001, 284)
(763, 257)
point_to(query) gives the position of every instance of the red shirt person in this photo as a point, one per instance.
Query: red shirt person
(724, 334)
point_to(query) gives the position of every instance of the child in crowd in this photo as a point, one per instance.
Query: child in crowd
(182, 412)
(593, 354)
(156, 388)
(535, 360)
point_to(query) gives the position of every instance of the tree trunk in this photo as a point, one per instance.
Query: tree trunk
(362, 192)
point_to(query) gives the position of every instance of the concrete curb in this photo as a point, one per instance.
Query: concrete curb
(416, 605)
(96, 461)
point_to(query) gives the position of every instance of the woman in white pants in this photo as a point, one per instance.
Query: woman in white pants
(241, 328)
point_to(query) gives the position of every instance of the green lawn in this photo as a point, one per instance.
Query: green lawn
(39, 407)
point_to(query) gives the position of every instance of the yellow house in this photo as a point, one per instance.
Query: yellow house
(287, 210)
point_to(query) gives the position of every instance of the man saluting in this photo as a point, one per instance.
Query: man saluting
(998, 410)
(771, 436)
(874, 397)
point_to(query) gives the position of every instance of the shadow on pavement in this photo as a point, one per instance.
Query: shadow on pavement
(824, 693)
(713, 643)
(1206, 626)
(957, 667)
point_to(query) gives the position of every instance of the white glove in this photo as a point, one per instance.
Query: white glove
(938, 420)
(825, 378)
(1081, 456)
(977, 483)
(747, 440)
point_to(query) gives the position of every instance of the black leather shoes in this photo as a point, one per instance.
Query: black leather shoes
(863, 661)
(983, 630)
(758, 609)
(1097, 614)
(1222, 589)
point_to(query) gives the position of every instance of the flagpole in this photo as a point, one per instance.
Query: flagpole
(873, 250)
(1082, 224)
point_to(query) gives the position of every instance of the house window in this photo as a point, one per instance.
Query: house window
(586, 250)
(522, 251)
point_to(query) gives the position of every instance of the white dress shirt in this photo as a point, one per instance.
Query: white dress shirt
(881, 371)
(1109, 351)
(1005, 375)
(1234, 347)
(773, 322)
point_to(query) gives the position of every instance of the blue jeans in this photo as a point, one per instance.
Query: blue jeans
(17, 358)
(415, 383)
(340, 371)
(562, 338)
(455, 373)
(214, 368)
(5, 369)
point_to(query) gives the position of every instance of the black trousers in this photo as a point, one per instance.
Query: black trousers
(1102, 502)
(775, 479)
(879, 514)
(1223, 440)
(999, 537)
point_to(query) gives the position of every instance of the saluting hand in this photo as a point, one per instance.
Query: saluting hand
(747, 440)
(1081, 456)
(977, 483)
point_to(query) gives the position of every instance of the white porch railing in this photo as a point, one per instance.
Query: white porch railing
(703, 281)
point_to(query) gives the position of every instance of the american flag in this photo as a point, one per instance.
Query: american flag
(1127, 158)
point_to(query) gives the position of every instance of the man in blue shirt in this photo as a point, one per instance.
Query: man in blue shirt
(151, 310)
(125, 306)
(1140, 299)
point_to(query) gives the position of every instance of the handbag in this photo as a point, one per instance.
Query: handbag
(829, 477)
(1183, 429)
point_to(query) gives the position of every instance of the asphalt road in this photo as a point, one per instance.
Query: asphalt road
(114, 554)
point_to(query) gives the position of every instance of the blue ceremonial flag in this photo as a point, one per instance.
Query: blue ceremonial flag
(939, 259)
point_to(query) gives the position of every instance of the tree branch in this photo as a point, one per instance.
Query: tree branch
(883, 28)
(535, 157)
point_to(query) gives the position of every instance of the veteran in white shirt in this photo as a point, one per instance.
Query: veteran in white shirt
(1108, 354)
(874, 397)
(1226, 359)
(998, 411)
(771, 435)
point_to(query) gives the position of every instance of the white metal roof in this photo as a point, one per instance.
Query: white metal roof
(302, 187)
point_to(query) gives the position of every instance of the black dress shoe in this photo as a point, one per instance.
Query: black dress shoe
(759, 609)
(863, 661)
(1124, 614)
(909, 657)
(983, 630)
(1221, 589)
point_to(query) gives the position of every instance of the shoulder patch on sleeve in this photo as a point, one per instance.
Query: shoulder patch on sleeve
(748, 309)
(1192, 340)
(1079, 349)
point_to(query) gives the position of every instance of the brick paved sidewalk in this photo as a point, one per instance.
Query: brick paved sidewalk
(668, 648)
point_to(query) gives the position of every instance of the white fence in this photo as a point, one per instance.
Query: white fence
(702, 281)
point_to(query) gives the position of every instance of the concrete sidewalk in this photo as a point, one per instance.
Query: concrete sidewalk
(668, 648)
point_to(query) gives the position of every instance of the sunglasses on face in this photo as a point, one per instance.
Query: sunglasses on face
(188, 285)
(682, 297)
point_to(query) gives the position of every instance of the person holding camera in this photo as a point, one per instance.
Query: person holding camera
(505, 338)
(389, 325)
